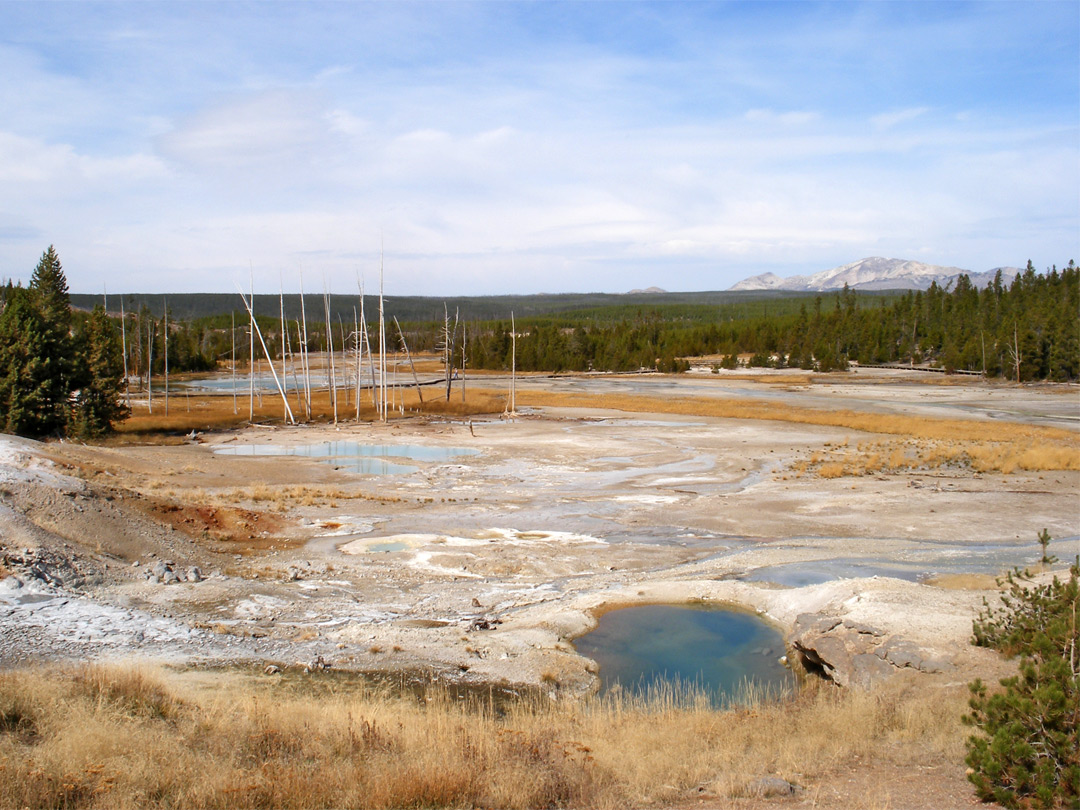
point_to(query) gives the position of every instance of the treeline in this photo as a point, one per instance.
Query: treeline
(1027, 330)
(426, 309)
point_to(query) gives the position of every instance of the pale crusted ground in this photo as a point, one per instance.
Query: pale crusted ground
(484, 567)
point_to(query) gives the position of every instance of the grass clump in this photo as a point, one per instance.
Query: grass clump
(1028, 753)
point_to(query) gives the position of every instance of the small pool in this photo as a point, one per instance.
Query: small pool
(800, 574)
(388, 547)
(718, 650)
(367, 459)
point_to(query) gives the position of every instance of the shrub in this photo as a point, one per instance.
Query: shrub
(1029, 752)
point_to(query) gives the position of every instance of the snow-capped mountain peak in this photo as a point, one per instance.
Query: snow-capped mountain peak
(874, 273)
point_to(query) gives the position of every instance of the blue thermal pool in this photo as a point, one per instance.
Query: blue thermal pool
(716, 649)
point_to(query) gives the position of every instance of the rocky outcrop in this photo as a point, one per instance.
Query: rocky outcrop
(165, 572)
(50, 566)
(858, 655)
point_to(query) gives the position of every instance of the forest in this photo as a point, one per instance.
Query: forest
(1027, 330)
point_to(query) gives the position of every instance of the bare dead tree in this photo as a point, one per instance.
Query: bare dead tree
(266, 352)
(123, 343)
(150, 329)
(412, 365)
(251, 353)
(305, 358)
(1014, 352)
(511, 401)
(165, 332)
(331, 378)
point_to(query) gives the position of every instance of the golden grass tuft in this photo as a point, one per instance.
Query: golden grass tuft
(118, 738)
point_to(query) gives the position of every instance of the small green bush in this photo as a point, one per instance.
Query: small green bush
(1029, 751)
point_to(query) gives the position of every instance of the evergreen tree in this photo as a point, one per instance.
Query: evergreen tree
(97, 404)
(47, 387)
(50, 288)
(32, 402)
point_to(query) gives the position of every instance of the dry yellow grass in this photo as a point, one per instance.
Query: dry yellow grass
(962, 441)
(111, 737)
(921, 455)
(215, 411)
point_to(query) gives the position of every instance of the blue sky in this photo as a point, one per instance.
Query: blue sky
(511, 147)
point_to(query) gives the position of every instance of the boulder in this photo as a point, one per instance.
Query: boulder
(857, 655)
(768, 787)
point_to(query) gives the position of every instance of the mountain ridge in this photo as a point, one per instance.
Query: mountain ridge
(874, 273)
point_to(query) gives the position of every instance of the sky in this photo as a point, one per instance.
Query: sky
(524, 147)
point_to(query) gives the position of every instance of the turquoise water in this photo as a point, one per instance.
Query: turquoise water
(716, 649)
(367, 459)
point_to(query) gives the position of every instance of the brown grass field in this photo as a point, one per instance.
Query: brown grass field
(120, 737)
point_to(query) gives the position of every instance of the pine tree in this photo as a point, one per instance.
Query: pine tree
(50, 288)
(50, 382)
(31, 400)
(1028, 751)
(97, 404)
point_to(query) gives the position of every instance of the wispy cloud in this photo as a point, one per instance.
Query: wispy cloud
(891, 119)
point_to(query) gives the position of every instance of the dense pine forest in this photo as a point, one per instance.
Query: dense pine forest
(1028, 330)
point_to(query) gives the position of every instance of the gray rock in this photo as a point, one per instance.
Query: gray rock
(901, 653)
(936, 665)
(859, 627)
(768, 787)
(856, 655)
(814, 623)
(867, 670)
(194, 574)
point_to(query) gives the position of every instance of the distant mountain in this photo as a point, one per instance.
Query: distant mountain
(874, 273)
(647, 290)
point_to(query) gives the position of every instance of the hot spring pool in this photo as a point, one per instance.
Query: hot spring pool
(717, 649)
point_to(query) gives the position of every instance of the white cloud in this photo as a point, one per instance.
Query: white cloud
(269, 128)
(57, 170)
(346, 123)
(891, 119)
